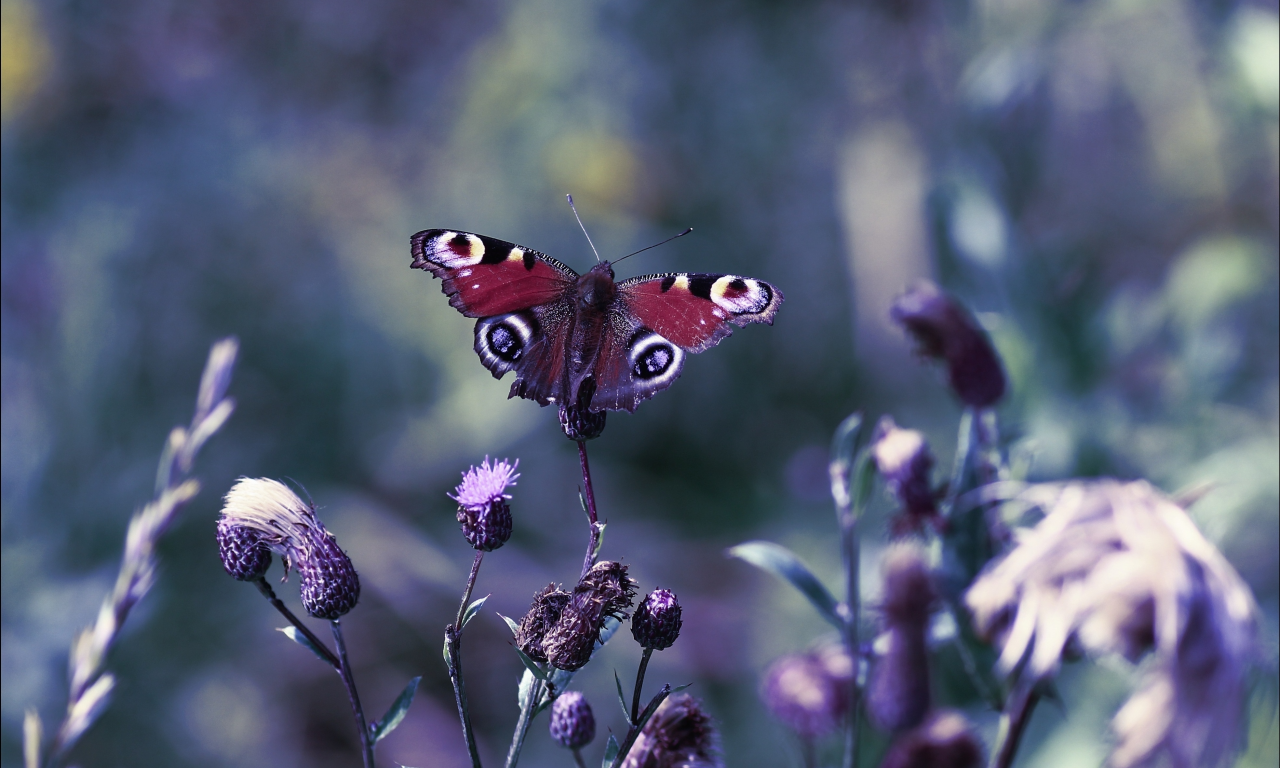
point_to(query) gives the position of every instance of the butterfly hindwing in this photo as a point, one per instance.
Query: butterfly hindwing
(694, 310)
(484, 276)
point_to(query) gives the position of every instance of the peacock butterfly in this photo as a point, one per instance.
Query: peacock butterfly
(585, 339)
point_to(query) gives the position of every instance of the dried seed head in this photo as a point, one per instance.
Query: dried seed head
(577, 421)
(572, 724)
(1118, 568)
(904, 459)
(242, 550)
(289, 526)
(542, 616)
(945, 330)
(679, 735)
(945, 740)
(898, 691)
(801, 691)
(605, 591)
(657, 621)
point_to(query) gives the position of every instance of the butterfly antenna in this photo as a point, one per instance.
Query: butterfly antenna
(655, 245)
(584, 229)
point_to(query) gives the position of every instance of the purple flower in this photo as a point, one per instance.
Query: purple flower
(904, 459)
(808, 691)
(945, 330)
(572, 724)
(485, 484)
(657, 621)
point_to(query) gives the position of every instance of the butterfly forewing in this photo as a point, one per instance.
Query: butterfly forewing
(484, 276)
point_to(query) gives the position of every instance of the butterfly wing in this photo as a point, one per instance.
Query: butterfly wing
(658, 318)
(519, 296)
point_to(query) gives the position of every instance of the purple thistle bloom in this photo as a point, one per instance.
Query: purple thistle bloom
(485, 484)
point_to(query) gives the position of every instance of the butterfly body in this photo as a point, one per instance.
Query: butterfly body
(585, 339)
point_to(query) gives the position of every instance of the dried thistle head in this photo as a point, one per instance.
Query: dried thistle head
(679, 735)
(605, 591)
(542, 616)
(904, 460)
(482, 498)
(289, 527)
(1118, 568)
(945, 330)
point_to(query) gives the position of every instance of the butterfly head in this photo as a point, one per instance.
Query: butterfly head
(596, 289)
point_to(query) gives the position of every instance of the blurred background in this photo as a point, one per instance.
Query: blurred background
(1097, 178)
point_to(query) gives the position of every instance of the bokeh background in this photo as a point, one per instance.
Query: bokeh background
(1097, 178)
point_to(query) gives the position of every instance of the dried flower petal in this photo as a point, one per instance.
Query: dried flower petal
(605, 591)
(542, 616)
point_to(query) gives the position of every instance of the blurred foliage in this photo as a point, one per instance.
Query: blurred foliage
(1098, 178)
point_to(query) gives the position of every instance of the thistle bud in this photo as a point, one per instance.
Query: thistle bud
(289, 527)
(542, 616)
(242, 550)
(679, 735)
(657, 621)
(898, 692)
(605, 591)
(800, 692)
(945, 330)
(572, 724)
(577, 421)
(906, 463)
(482, 503)
(945, 740)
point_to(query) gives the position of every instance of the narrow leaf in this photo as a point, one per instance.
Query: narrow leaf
(472, 610)
(293, 634)
(32, 738)
(599, 539)
(525, 689)
(399, 708)
(622, 698)
(680, 688)
(531, 665)
(583, 501)
(783, 563)
(511, 624)
(864, 481)
(610, 752)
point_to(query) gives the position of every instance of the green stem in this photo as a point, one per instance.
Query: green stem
(1013, 723)
(279, 605)
(635, 699)
(634, 731)
(453, 638)
(522, 725)
(366, 746)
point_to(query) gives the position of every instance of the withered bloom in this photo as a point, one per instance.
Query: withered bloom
(904, 460)
(605, 591)
(542, 616)
(679, 735)
(1118, 568)
(289, 526)
(945, 330)
(945, 740)
(898, 692)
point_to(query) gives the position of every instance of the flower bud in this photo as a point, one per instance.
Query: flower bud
(800, 692)
(898, 692)
(605, 591)
(577, 421)
(483, 511)
(542, 616)
(906, 463)
(657, 622)
(945, 330)
(945, 740)
(330, 584)
(245, 556)
(572, 724)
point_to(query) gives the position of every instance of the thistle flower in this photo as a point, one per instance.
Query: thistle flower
(289, 527)
(542, 616)
(244, 555)
(1119, 568)
(577, 421)
(903, 457)
(572, 724)
(898, 692)
(482, 503)
(945, 330)
(657, 621)
(605, 591)
(809, 692)
(945, 740)
(679, 735)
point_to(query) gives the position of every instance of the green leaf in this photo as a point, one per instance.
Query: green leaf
(622, 698)
(448, 657)
(531, 665)
(680, 688)
(864, 481)
(525, 689)
(846, 439)
(511, 623)
(472, 610)
(293, 634)
(583, 501)
(610, 752)
(399, 708)
(783, 563)
(599, 539)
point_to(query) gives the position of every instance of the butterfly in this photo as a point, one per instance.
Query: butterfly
(585, 339)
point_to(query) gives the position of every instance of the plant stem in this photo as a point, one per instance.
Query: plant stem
(453, 641)
(577, 758)
(849, 551)
(594, 541)
(635, 699)
(634, 730)
(366, 746)
(1012, 725)
(522, 725)
(270, 594)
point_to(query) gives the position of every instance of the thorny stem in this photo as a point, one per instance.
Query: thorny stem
(594, 542)
(635, 699)
(453, 641)
(634, 730)
(1013, 722)
(366, 746)
(316, 642)
(522, 725)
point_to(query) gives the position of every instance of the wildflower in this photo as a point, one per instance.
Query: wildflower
(945, 330)
(945, 740)
(801, 691)
(572, 724)
(482, 503)
(657, 621)
(577, 421)
(904, 459)
(1119, 568)
(289, 527)
(542, 616)
(679, 735)
(244, 555)
(898, 692)
(605, 591)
